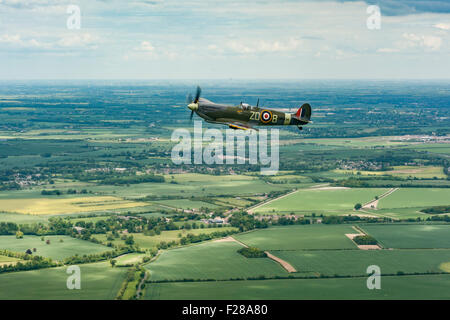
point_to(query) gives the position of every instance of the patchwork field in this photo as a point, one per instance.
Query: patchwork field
(196, 186)
(397, 287)
(355, 262)
(299, 237)
(212, 260)
(326, 200)
(56, 249)
(47, 206)
(410, 235)
(98, 282)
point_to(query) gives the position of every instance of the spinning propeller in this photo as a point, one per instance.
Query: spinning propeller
(193, 103)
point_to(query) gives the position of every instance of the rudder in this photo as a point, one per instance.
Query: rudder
(304, 112)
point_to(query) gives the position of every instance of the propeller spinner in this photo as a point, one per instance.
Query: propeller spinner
(193, 103)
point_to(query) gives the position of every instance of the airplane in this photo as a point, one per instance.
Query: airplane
(245, 116)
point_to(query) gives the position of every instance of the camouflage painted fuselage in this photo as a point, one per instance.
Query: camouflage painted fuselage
(246, 116)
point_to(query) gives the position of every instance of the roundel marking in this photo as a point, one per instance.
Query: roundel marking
(266, 116)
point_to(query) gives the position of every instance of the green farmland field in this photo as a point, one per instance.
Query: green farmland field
(410, 235)
(131, 258)
(212, 260)
(300, 237)
(187, 204)
(216, 185)
(320, 200)
(56, 250)
(392, 287)
(416, 197)
(98, 281)
(5, 260)
(440, 148)
(22, 218)
(355, 262)
(399, 213)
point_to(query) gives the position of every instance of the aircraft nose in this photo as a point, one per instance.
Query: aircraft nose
(193, 106)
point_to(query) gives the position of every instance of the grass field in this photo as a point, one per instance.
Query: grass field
(299, 237)
(56, 250)
(320, 200)
(149, 242)
(440, 148)
(69, 205)
(187, 204)
(410, 235)
(355, 262)
(4, 260)
(90, 219)
(396, 287)
(98, 281)
(22, 218)
(399, 213)
(198, 185)
(234, 202)
(131, 258)
(416, 197)
(212, 260)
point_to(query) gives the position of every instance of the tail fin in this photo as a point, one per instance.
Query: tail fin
(304, 113)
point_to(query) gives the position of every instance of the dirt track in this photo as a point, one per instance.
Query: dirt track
(374, 203)
(284, 264)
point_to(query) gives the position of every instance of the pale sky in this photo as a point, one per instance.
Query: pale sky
(200, 39)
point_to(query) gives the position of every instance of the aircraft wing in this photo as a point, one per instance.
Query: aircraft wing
(240, 125)
(234, 124)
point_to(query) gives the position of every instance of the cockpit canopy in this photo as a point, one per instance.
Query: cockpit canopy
(245, 106)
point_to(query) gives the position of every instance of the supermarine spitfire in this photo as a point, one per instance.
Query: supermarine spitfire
(245, 116)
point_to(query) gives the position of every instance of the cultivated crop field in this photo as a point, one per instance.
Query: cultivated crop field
(393, 287)
(48, 206)
(355, 262)
(326, 200)
(299, 237)
(99, 281)
(410, 235)
(212, 260)
(56, 249)
(416, 197)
